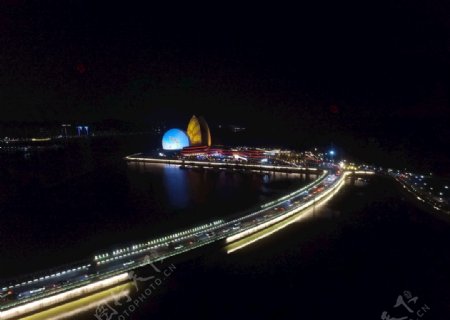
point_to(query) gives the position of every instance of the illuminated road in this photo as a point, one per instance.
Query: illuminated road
(25, 296)
(434, 195)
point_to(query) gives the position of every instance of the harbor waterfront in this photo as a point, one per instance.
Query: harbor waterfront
(109, 264)
(224, 162)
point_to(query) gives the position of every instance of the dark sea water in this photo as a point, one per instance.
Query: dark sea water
(65, 205)
(351, 259)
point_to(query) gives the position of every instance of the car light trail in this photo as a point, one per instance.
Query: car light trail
(248, 240)
(61, 297)
(419, 195)
(74, 308)
(113, 266)
(288, 214)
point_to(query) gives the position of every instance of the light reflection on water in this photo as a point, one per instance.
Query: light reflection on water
(313, 267)
(176, 185)
(55, 226)
(182, 188)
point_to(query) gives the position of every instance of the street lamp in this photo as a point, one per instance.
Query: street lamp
(331, 153)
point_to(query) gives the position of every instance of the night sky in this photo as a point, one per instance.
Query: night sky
(366, 73)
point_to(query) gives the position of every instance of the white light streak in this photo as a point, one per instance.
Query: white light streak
(262, 226)
(61, 297)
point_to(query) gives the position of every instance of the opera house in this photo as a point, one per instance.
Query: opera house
(197, 134)
(196, 142)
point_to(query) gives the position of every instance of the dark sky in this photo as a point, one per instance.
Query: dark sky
(369, 68)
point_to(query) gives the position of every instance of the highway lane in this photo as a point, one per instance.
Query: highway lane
(425, 190)
(108, 264)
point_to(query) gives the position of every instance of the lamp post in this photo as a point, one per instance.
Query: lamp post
(65, 129)
(332, 153)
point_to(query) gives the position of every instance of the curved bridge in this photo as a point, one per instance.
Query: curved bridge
(106, 269)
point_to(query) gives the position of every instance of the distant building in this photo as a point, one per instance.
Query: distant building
(83, 130)
(197, 135)
(236, 129)
(224, 152)
(198, 132)
(175, 139)
(196, 142)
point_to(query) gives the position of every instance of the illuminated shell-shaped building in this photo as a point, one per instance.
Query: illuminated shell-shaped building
(198, 132)
(175, 139)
